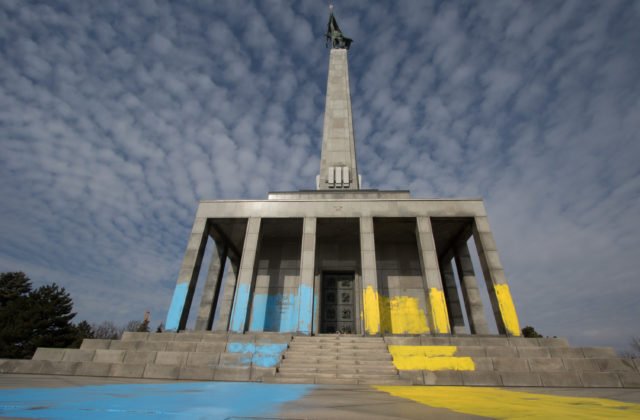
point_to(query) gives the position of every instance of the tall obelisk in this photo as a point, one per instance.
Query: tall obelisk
(338, 168)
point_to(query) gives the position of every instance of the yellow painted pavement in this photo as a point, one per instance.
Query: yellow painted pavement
(504, 404)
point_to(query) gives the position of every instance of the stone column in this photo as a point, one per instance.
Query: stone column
(307, 276)
(451, 294)
(431, 274)
(470, 292)
(188, 276)
(221, 323)
(211, 290)
(245, 277)
(371, 308)
(501, 302)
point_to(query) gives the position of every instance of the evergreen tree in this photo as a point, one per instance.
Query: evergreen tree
(83, 330)
(530, 332)
(13, 286)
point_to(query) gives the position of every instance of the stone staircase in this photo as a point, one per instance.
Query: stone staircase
(337, 359)
(513, 361)
(185, 355)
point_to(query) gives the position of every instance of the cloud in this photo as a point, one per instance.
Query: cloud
(115, 120)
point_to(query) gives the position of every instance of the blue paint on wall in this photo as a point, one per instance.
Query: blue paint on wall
(263, 355)
(178, 300)
(240, 306)
(216, 400)
(305, 301)
(274, 312)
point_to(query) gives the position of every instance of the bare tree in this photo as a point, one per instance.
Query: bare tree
(107, 330)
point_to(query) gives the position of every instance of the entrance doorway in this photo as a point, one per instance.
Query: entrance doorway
(338, 303)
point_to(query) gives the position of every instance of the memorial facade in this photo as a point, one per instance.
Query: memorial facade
(341, 258)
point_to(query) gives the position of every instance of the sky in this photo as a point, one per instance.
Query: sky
(117, 117)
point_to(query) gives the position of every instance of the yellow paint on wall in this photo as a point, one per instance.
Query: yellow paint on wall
(371, 311)
(402, 315)
(503, 404)
(439, 312)
(429, 358)
(507, 309)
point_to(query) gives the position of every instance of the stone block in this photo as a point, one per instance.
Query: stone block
(483, 363)
(546, 364)
(24, 366)
(241, 338)
(232, 373)
(94, 344)
(77, 355)
(415, 376)
(134, 336)
(93, 369)
(127, 370)
(140, 357)
(45, 353)
(560, 379)
(125, 345)
(200, 373)
(175, 358)
(211, 347)
(568, 352)
(235, 359)
(273, 338)
(492, 341)
(402, 341)
(56, 368)
(598, 352)
(617, 365)
(481, 379)
(636, 362)
(501, 351)
(443, 378)
(335, 381)
(471, 351)
(528, 352)
(600, 380)
(109, 356)
(510, 364)
(155, 371)
(215, 337)
(523, 342)
(629, 379)
(258, 373)
(463, 341)
(152, 346)
(189, 336)
(520, 379)
(435, 341)
(181, 346)
(581, 365)
(164, 336)
(553, 342)
(202, 359)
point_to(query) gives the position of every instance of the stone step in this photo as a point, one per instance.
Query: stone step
(339, 347)
(476, 341)
(314, 358)
(336, 381)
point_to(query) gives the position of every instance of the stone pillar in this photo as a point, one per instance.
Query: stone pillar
(431, 274)
(221, 323)
(188, 276)
(307, 276)
(470, 292)
(211, 290)
(451, 294)
(501, 302)
(245, 277)
(371, 307)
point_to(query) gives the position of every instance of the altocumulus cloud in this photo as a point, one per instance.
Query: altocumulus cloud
(117, 117)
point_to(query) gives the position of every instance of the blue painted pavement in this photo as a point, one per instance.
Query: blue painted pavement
(211, 400)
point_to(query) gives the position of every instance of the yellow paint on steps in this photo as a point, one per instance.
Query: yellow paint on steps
(439, 313)
(507, 309)
(429, 358)
(503, 404)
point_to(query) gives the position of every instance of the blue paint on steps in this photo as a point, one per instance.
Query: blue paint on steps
(263, 355)
(216, 400)
(172, 322)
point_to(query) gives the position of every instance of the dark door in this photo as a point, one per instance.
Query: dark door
(338, 314)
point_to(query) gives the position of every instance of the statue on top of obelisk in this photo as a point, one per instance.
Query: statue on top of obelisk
(334, 34)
